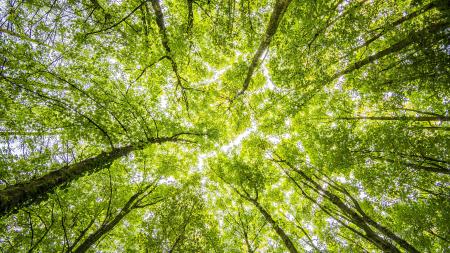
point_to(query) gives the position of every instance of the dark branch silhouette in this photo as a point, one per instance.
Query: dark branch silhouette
(275, 19)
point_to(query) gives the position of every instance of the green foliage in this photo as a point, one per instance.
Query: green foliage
(354, 94)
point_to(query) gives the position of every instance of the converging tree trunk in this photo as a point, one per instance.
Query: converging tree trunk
(36, 190)
(430, 167)
(400, 21)
(275, 18)
(133, 203)
(165, 42)
(358, 217)
(399, 118)
(412, 38)
(416, 162)
(286, 240)
(281, 233)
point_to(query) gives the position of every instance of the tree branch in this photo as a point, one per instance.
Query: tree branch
(274, 21)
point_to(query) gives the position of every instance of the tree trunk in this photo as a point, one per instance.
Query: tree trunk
(359, 217)
(399, 22)
(275, 18)
(36, 190)
(165, 42)
(287, 242)
(400, 118)
(409, 40)
(355, 218)
(440, 169)
(362, 220)
(105, 228)
(162, 27)
(404, 244)
(431, 168)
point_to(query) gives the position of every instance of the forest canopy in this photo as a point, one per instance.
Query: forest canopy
(224, 126)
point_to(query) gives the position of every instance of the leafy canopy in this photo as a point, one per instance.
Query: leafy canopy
(295, 125)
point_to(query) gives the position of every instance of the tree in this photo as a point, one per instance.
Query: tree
(35, 190)
(272, 126)
(135, 201)
(357, 216)
(250, 183)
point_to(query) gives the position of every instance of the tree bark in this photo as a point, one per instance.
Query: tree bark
(359, 217)
(355, 218)
(409, 40)
(190, 19)
(36, 190)
(436, 169)
(275, 18)
(388, 233)
(287, 241)
(400, 118)
(162, 27)
(363, 221)
(399, 22)
(165, 42)
(105, 228)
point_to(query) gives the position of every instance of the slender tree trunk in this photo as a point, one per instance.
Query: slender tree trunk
(287, 241)
(431, 168)
(436, 169)
(404, 244)
(368, 220)
(190, 18)
(355, 218)
(165, 39)
(432, 128)
(247, 243)
(360, 218)
(275, 18)
(399, 22)
(105, 228)
(165, 42)
(406, 118)
(160, 22)
(409, 40)
(36, 190)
